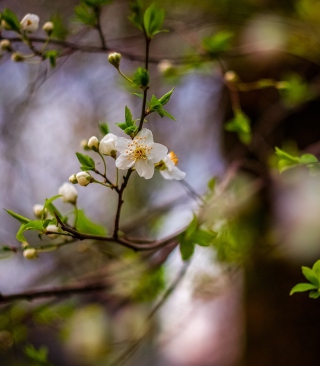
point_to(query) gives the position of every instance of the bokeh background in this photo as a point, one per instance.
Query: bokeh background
(232, 307)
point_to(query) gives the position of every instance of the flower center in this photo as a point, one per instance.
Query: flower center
(138, 150)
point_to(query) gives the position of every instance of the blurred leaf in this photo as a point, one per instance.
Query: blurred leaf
(36, 225)
(301, 287)
(11, 20)
(141, 78)
(186, 247)
(153, 19)
(136, 16)
(314, 294)
(37, 355)
(128, 117)
(96, 3)
(316, 268)
(218, 43)
(149, 286)
(240, 124)
(60, 31)
(295, 90)
(85, 14)
(310, 275)
(18, 217)
(287, 161)
(52, 56)
(86, 226)
(104, 128)
(212, 183)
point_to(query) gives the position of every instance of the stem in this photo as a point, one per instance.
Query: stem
(123, 75)
(97, 11)
(75, 215)
(104, 163)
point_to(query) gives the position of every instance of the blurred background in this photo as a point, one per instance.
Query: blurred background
(231, 306)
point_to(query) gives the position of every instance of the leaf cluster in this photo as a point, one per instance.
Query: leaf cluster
(287, 161)
(240, 124)
(129, 127)
(156, 105)
(11, 20)
(312, 275)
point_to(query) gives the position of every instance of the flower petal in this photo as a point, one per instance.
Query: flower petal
(145, 168)
(123, 162)
(175, 174)
(157, 153)
(146, 134)
(122, 145)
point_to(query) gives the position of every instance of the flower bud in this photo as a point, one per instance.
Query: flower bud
(37, 211)
(5, 45)
(17, 57)
(69, 193)
(48, 27)
(30, 253)
(114, 59)
(108, 145)
(84, 144)
(54, 229)
(5, 25)
(73, 179)
(30, 23)
(93, 143)
(24, 244)
(83, 178)
(231, 77)
(165, 66)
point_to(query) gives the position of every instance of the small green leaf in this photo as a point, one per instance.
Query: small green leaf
(212, 183)
(153, 19)
(131, 130)
(141, 78)
(86, 161)
(310, 276)
(12, 21)
(128, 117)
(52, 56)
(192, 227)
(139, 95)
(136, 16)
(85, 15)
(36, 225)
(104, 128)
(186, 248)
(296, 90)
(314, 294)
(301, 287)
(240, 124)
(203, 238)
(316, 268)
(308, 159)
(48, 201)
(18, 217)
(167, 114)
(165, 98)
(60, 31)
(86, 226)
(122, 125)
(218, 43)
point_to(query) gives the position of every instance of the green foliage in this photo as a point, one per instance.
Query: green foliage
(60, 31)
(96, 3)
(104, 128)
(38, 356)
(12, 21)
(86, 161)
(218, 43)
(287, 161)
(153, 19)
(150, 285)
(86, 15)
(52, 56)
(212, 183)
(128, 126)
(136, 16)
(295, 90)
(86, 226)
(36, 225)
(240, 124)
(156, 105)
(313, 276)
(141, 78)
(193, 235)
(18, 217)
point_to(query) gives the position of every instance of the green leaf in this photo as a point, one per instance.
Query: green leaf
(301, 287)
(86, 226)
(186, 247)
(165, 98)
(167, 114)
(136, 16)
(86, 161)
(316, 268)
(240, 124)
(308, 159)
(36, 225)
(296, 90)
(60, 31)
(139, 95)
(192, 227)
(218, 43)
(18, 217)
(85, 15)
(48, 201)
(39, 355)
(122, 125)
(53, 210)
(212, 183)
(128, 117)
(96, 3)
(310, 276)
(149, 286)
(104, 128)
(141, 78)
(203, 238)
(12, 21)
(131, 130)
(314, 294)
(287, 161)
(153, 19)
(52, 56)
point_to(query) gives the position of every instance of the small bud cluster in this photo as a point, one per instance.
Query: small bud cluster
(114, 59)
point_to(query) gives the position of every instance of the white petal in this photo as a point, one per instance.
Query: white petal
(175, 173)
(157, 153)
(146, 135)
(122, 145)
(124, 163)
(145, 168)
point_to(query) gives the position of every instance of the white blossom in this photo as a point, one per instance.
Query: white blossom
(93, 143)
(164, 66)
(168, 168)
(30, 253)
(83, 178)
(30, 23)
(73, 179)
(141, 153)
(54, 229)
(69, 193)
(114, 59)
(108, 145)
(48, 27)
(37, 210)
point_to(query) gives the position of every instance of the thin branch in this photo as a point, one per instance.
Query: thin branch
(97, 11)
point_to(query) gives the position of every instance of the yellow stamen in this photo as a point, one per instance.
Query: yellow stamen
(173, 157)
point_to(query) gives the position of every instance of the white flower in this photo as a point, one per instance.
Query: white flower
(48, 27)
(69, 193)
(73, 179)
(114, 59)
(54, 229)
(30, 23)
(169, 170)
(30, 253)
(83, 178)
(164, 66)
(108, 145)
(93, 143)
(141, 153)
(37, 210)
